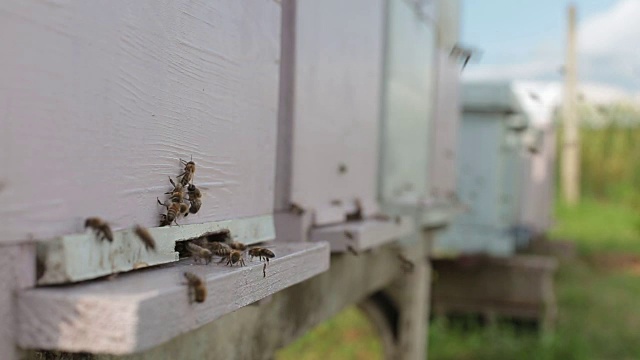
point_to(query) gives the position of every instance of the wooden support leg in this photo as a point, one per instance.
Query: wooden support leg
(411, 295)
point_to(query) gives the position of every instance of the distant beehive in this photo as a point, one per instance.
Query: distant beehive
(490, 170)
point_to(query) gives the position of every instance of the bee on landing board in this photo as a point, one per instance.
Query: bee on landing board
(234, 256)
(199, 253)
(235, 245)
(189, 171)
(145, 237)
(219, 249)
(100, 227)
(195, 197)
(197, 288)
(261, 253)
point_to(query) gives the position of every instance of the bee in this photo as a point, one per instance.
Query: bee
(189, 171)
(177, 195)
(357, 214)
(261, 253)
(101, 228)
(194, 198)
(145, 236)
(174, 209)
(348, 234)
(198, 252)
(197, 288)
(235, 245)
(234, 256)
(406, 264)
(296, 209)
(219, 249)
(352, 250)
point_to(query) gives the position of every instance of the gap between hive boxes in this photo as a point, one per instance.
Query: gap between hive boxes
(81, 257)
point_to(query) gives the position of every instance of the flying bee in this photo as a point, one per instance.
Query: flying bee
(219, 249)
(195, 197)
(261, 253)
(234, 256)
(189, 171)
(174, 209)
(236, 245)
(197, 288)
(198, 253)
(100, 227)
(145, 236)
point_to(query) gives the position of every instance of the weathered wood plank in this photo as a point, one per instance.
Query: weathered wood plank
(140, 310)
(107, 96)
(82, 257)
(290, 313)
(363, 235)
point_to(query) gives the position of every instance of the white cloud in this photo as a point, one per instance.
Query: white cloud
(613, 32)
(608, 46)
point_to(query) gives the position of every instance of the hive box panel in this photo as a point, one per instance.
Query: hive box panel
(408, 104)
(337, 53)
(446, 126)
(99, 100)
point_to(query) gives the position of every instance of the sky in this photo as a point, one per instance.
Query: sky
(525, 39)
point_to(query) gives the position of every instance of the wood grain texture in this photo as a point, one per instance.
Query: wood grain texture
(363, 235)
(408, 104)
(106, 97)
(261, 330)
(81, 257)
(140, 310)
(336, 106)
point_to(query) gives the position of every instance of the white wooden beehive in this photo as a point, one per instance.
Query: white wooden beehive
(328, 158)
(408, 96)
(98, 110)
(489, 172)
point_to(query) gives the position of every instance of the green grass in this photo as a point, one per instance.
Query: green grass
(599, 226)
(598, 296)
(349, 335)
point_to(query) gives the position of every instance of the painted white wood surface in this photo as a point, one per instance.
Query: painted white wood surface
(408, 103)
(99, 100)
(81, 257)
(446, 125)
(17, 271)
(337, 52)
(449, 15)
(140, 310)
(363, 235)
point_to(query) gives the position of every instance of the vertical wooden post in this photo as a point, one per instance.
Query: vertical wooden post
(571, 145)
(410, 295)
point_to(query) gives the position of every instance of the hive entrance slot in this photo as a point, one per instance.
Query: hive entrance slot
(218, 236)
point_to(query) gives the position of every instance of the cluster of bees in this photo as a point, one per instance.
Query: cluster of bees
(231, 253)
(201, 250)
(176, 205)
